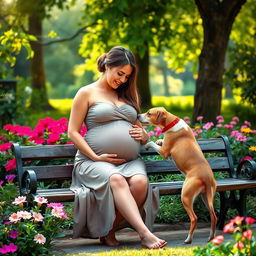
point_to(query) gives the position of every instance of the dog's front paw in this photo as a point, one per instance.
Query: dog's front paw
(159, 142)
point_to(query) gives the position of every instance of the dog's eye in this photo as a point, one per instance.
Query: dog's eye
(149, 114)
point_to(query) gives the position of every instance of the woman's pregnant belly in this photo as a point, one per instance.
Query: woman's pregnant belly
(113, 138)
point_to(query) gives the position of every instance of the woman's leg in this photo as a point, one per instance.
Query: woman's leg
(127, 206)
(138, 185)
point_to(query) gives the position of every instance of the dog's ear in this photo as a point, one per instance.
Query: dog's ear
(160, 117)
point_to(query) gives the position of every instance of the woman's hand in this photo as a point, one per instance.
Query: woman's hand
(139, 134)
(110, 158)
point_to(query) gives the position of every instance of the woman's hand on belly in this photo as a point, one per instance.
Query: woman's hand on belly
(139, 134)
(111, 158)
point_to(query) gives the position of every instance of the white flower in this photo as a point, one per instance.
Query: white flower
(40, 239)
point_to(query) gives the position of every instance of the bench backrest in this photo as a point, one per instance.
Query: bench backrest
(58, 171)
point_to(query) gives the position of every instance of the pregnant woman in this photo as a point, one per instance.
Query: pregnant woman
(109, 178)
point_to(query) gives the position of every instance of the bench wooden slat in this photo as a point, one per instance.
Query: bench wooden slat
(45, 152)
(228, 184)
(207, 146)
(51, 172)
(57, 195)
(168, 166)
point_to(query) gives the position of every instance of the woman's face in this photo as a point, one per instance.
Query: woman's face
(117, 76)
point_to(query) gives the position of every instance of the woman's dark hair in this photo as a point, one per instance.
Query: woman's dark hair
(119, 56)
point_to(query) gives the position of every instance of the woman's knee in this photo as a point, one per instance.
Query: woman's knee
(138, 183)
(117, 180)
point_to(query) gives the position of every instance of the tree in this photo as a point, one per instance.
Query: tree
(218, 17)
(35, 12)
(240, 72)
(142, 25)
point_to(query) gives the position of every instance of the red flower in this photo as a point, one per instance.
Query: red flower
(248, 234)
(249, 220)
(218, 240)
(5, 146)
(10, 165)
(239, 245)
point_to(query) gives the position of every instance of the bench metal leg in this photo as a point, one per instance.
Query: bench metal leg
(231, 202)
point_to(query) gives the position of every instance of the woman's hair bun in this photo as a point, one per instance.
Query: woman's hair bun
(101, 62)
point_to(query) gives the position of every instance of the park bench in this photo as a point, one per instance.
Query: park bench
(233, 185)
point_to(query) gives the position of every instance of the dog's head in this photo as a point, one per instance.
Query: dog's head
(154, 116)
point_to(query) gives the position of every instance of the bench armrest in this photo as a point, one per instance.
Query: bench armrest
(247, 170)
(28, 182)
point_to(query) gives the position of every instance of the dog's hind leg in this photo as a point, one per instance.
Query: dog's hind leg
(208, 201)
(191, 188)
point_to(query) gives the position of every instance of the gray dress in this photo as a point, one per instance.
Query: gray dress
(108, 132)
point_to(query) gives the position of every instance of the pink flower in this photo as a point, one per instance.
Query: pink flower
(221, 121)
(228, 126)
(40, 200)
(235, 134)
(1, 182)
(151, 133)
(241, 138)
(40, 239)
(199, 118)
(5, 146)
(14, 218)
(10, 165)
(248, 234)
(219, 125)
(8, 248)
(233, 122)
(218, 240)
(52, 205)
(37, 216)
(188, 122)
(228, 228)
(247, 123)
(186, 118)
(59, 212)
(24, 215)
(219, 117)
(249, 220)
(239, 245)
(10, 178)
(235, 118)
(19, 200)
(208, 125)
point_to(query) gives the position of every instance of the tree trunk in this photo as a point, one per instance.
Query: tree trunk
(218, 17)
(39, 97)
(143, 79)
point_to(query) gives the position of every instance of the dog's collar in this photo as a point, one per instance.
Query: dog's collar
(170, 125)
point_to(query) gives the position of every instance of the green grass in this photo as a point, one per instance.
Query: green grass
(176, 251)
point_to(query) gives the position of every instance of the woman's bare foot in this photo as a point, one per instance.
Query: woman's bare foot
(109, 240)
(150, 241)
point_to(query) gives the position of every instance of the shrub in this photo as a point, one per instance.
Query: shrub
(25, 229)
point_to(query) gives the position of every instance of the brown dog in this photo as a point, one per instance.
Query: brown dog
(180, 143)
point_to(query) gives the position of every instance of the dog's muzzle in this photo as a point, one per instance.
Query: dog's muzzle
(143, 119)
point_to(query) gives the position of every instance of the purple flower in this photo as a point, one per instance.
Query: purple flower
(13, 234)
(10, 178)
